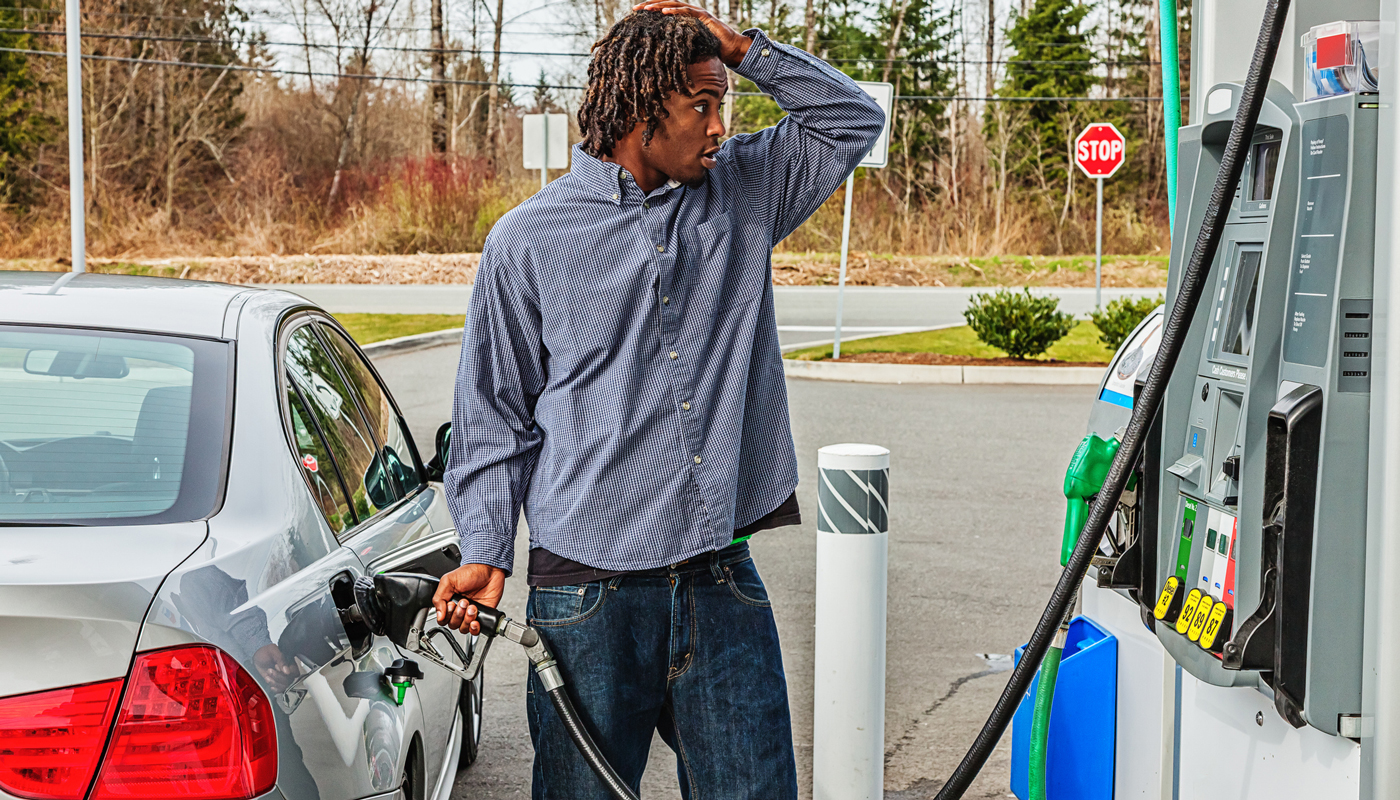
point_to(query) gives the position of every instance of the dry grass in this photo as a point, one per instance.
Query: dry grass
(789, 269)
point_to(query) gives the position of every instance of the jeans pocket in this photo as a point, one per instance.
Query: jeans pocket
(745, 584)
(555, 606)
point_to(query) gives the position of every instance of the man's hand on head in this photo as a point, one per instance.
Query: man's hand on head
(479, 582)
(733, 45)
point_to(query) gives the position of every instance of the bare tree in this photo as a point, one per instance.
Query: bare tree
(897, 9)
(493, 92)
(439, 91)
(811, 22)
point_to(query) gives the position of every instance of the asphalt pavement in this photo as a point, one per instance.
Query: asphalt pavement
(975, 520)
(805, 314)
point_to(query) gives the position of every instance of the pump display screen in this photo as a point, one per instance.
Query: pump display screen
(1238, 334)
(1265, 165)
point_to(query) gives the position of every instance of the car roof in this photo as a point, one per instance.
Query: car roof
(123, 302)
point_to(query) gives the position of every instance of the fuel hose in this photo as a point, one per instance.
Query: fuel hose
(1146, 408)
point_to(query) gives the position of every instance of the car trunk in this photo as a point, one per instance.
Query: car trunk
(72, 598)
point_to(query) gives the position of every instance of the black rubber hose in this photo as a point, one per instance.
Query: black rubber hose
(585, 745)
(1147, 406)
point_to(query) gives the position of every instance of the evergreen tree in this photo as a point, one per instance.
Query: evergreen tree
(22, 126)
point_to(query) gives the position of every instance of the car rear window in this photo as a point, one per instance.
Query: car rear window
(103, 428)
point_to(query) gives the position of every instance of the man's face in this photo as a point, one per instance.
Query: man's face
(685, 143)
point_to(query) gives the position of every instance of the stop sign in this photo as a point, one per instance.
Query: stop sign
(1099, 150)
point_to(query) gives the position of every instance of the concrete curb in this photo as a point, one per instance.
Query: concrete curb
(920, 373)
(417, 341)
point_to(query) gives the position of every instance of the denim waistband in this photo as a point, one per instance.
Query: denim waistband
(732, 554)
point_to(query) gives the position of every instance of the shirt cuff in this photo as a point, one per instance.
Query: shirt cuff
(489, 548)
(761, 62)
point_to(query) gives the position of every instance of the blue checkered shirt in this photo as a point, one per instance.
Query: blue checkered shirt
(620, 374)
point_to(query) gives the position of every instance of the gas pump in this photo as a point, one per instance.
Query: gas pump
(1223, 493)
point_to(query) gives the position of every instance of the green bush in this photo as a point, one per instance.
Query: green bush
(1117, 319)
(1022, 324)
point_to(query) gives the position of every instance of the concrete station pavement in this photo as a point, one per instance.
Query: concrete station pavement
(805, 314)
(975, 520)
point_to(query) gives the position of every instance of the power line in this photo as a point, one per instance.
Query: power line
(454, 82)
(481, 51)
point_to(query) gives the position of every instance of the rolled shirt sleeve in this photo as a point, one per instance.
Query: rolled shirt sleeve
(794, 166)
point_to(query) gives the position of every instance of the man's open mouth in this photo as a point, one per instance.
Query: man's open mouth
(707, 158)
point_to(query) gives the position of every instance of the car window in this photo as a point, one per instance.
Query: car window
(102, 428)
(317, 466)
(379, 409)
(351, 444)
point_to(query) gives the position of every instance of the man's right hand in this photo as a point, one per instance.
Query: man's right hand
(483, 584)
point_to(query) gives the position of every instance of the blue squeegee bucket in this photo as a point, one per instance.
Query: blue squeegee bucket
(1082, 719)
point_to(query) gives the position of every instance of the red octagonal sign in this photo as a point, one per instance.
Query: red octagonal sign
(1099, 150)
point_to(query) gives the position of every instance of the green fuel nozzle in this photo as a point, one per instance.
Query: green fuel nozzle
(1083, 480)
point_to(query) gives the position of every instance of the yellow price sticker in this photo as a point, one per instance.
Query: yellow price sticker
(1164, 603)
(1213, 624)
(1198, 620)
(1188, 610)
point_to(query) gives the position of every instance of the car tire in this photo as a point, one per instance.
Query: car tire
(470, 704)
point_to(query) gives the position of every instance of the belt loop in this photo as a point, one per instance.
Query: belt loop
(715, 569)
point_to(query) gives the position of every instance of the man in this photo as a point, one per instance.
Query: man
(621, 379)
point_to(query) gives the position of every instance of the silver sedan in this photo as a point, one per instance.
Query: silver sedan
(192, 475)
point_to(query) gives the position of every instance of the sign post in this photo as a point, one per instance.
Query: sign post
(878, 157)
(545, 142)
(1099, 152)
(77, 205)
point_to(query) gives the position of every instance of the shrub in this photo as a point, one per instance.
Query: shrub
(1117, 319)
(1022, 324)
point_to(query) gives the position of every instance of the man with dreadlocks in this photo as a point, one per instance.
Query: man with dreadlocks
(621, 380)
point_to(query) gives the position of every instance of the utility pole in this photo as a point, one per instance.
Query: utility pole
(439, 127)
(77, 205)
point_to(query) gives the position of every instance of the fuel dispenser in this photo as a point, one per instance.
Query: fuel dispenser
(1232, 565)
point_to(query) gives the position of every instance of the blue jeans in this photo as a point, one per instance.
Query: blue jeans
(690, 651)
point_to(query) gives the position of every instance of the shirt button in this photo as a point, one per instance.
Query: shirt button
(661, 248)
(763, 52)
(673, 355)
(685, 406)
(698, 459)
(665, 301)
(646, 205)
(616, 196)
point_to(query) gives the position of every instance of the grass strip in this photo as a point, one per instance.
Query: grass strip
(1082, 344)
(367, 328)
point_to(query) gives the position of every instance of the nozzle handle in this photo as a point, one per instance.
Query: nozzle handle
(491, 620)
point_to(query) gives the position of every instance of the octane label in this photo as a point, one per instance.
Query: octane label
(1164, 603)
(1188, 610)
(1198, 619)
(1213, 626)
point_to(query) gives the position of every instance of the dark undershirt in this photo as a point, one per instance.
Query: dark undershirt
(548, 569)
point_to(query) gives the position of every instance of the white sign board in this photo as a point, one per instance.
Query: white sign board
(883, 93)
(546, 129)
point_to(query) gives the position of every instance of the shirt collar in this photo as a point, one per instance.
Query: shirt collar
(604, 177)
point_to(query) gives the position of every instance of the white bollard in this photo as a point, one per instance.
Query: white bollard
(848, 722)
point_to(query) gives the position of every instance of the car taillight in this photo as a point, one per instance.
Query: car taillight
(193, 724)
(50, 741)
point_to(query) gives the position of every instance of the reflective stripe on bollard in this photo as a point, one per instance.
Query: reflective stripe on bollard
(852, 561)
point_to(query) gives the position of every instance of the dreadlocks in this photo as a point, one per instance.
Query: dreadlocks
(641, 61)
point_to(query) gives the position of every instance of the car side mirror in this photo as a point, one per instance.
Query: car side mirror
(438, 465)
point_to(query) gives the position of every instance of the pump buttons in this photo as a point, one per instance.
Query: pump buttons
(1168, 606)
(1188, 612)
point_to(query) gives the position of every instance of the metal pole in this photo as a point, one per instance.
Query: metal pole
(841, 284)
(77, 205)
(1098, 252)
(544, 154)
(848, 721)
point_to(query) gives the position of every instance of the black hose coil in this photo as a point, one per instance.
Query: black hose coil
(1147, 406)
